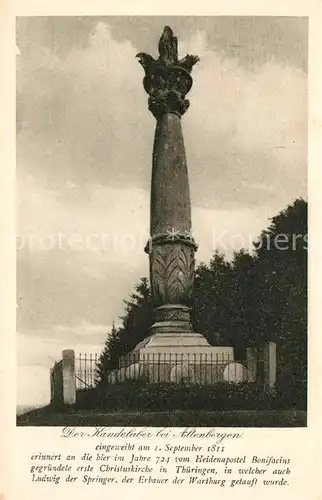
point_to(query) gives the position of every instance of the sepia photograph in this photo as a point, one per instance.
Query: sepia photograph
(162, 221)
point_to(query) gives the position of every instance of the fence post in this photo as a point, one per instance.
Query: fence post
(69, 381)
(251, 363)
(52, 385)
(270, 365)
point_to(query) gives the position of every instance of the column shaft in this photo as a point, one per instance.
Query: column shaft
(171, 247)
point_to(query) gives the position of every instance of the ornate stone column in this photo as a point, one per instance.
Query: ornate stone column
(171, 247)
(173, 351)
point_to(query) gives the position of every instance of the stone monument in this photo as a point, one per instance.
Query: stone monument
(171, 247)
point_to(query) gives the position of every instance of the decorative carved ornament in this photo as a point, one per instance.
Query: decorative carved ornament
(172, 273)
(167, 79)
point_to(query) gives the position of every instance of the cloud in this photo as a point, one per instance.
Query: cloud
(246, 125)
(84, 328)
(33, 385)
(78, 260)
(83, 118)
(45, 348)
(36, 355)
(84, 166)
(107, 222)
(253, 40)
(84, 121)
(53, 288)
(226, 231)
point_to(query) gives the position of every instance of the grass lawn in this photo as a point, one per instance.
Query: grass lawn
(49, 416)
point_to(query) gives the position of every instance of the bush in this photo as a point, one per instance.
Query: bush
(292, 393)
(140, 396)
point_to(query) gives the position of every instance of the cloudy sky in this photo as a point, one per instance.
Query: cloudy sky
(84, 144)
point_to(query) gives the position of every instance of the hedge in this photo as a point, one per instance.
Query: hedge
(135, 395)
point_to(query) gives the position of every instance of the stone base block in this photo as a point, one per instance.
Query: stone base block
(182, 344)
(176, 348)
(175, 358)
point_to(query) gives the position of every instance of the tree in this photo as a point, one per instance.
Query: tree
(213, 300)
(136, 322)
(247, 302)
(110, 354)
(282, 288)
(244, 313)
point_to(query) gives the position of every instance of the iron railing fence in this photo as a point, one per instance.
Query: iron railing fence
(86, 370)
(203, 368)
(156, 368)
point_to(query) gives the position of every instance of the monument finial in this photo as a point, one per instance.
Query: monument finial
(168, 47)
(167, 79)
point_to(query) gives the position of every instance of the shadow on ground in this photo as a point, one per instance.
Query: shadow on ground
(68, 416)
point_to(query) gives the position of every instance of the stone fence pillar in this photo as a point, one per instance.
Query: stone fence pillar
(251, 363)
(68, 372)
(261, 365)
(270, 365)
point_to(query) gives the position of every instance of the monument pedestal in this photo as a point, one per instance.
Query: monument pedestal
(172, 357)
(182, 343)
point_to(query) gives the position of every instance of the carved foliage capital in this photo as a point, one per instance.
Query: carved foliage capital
(167, 79)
